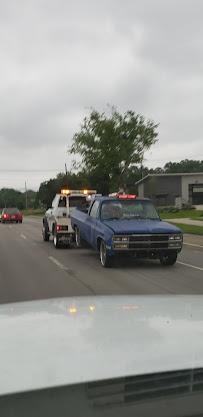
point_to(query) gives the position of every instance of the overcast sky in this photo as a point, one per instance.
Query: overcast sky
(59, 58)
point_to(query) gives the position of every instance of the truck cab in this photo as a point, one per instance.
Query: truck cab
(56, 222)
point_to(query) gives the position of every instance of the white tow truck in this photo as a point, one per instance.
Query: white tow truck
(57, 222)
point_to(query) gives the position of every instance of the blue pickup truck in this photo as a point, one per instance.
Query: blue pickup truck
(116, 226)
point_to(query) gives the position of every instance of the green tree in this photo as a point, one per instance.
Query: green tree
(48, 189)
(13, 198)
(109, 145)
(186, 165)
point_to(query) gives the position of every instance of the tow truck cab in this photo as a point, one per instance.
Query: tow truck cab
(56, 221)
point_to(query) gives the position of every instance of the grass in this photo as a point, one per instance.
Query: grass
(187, 228)
(180, 214)
(33, 212)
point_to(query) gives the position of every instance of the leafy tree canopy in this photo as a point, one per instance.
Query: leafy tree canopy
(110, 145)
(13, 198)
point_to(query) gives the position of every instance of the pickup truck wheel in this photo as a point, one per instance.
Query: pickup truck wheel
(77, 237)
(45, 233)
(105, 259)
(168, 259)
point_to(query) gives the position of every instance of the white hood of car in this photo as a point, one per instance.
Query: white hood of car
(72, 340)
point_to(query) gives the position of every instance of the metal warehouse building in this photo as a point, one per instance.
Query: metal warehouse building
(169, 189)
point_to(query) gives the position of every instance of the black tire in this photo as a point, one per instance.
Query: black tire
(16, 221)
(20, 221)
(78, 238)
(45, 232)
(168, 259)
(105, 259)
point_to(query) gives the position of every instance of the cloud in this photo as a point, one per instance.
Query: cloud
(59, 58)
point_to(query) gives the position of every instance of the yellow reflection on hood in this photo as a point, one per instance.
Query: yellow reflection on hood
(72, 310)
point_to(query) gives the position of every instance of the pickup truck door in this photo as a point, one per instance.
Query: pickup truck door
(91, 223)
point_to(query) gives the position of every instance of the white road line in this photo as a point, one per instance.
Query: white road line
(59, 264)
(23, 236)
(193, 244)
(190, 266)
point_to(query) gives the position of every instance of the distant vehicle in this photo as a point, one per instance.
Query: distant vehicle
(115, 356)
(11, 215)
(125, 224)
(57, 222)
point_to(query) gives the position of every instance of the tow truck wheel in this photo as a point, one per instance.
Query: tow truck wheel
(56, 240)
(168, 259)
(105, 259)
(45, 233)
(77, 237)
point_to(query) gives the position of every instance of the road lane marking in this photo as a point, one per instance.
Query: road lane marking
(193, 244)
(71, 273)
(59, 264)
(190, 266)
(23, 236)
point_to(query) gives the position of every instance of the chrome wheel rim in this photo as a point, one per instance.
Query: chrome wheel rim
(103, 254)
(77, 237)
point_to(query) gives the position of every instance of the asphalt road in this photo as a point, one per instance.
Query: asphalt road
(32, 269)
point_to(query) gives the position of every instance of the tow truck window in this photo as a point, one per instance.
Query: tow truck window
(128, 209)
(77, 202)
(62, 202)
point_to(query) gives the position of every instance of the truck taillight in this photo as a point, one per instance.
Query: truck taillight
(59, 228)
(127, 196)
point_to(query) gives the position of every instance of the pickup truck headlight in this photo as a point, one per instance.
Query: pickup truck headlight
(120, 239)
(120, 242)
(175, 241)
(175, 237)
(121, 245)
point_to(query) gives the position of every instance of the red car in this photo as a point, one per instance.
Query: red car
(11, 215)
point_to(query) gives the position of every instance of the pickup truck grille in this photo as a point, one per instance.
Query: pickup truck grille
(148, 241)
(145, 242)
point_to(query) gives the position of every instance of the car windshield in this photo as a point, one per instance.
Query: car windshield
(11, 211)
(128, 209)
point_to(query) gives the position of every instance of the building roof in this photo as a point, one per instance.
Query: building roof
(175, 174)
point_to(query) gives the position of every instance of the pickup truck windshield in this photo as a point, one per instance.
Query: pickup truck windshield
(128, 209)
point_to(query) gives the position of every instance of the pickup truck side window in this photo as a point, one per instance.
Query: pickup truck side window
(94, 209)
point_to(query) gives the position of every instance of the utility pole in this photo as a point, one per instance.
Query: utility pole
(25, 195)
(141, 167)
